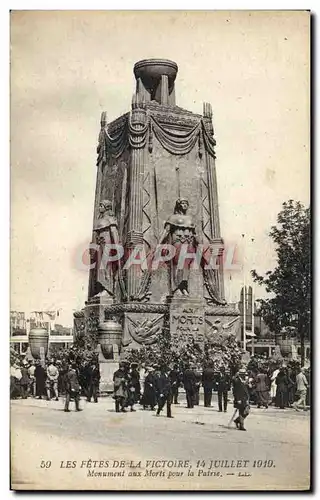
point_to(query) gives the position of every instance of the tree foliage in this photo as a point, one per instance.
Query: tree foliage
(290, 281)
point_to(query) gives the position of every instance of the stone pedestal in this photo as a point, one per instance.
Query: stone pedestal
(187, 321)
(107, 369)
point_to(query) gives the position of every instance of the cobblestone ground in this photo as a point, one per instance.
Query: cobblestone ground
(51, 449)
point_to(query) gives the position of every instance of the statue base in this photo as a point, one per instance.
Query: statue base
(187, 320)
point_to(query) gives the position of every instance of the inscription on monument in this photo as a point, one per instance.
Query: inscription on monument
(187, 321)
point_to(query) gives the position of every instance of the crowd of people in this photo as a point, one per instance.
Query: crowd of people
(161, 388)
(281, 387)
(260, 382)
(53, 378)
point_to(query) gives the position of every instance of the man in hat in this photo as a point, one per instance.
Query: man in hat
(175, 379)
(32, 378)
(24, 381)
(302, 387)
(15, 377)
(40, 376)
(72, 388)
(164, 392)
(223, 386)
(208, 382)
(52, 380)
(189, 382)
(94, 381)
(120, 387)
(134, 385)
(241, 398)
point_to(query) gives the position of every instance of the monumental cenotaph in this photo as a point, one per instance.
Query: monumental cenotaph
(157, 199)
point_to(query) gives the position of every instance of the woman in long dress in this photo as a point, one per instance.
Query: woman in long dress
(262, 389)
(273, 388)
(282, 389)
(149, 392)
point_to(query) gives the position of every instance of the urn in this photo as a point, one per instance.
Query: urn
(286, 346)
(38, 337)
(110, 333)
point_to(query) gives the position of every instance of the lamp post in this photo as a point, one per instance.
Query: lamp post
(244, 295)
(252, 322)
(244, 298)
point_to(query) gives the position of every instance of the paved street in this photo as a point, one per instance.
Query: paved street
(218, 457)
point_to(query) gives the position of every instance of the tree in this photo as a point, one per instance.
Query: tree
(290, 281)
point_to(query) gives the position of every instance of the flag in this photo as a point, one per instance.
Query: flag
(51, 314)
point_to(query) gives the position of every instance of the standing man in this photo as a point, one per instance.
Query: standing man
(175, 379)
(120, 388)
(164, 392)
(24, 381)
(134, 385)
(72, 388)
(94, 381)
(198, 379)
(189, 382)
(241, 398)
(208, 381)
(302, 387)
(40, 376)
(32, 379)
(15, 377)
(84, 372)
(52, 380)
(223, 385)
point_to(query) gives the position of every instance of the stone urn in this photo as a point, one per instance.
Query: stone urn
(286, 346)
(110, 334)
(150, 72)
(38, 337)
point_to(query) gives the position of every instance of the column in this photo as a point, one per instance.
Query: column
(164, 89)
(101, 162)
(137, 138)
(213, 200)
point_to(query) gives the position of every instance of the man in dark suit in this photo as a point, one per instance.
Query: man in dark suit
(208, 380)
(189, 382)
(40, 376)
(175, 379)
(93, 381)
(223, 386)
(72, 388)
(241, 398)
(164, 392)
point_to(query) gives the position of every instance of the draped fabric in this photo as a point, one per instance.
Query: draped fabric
(176, 143)
(138, 136)
(118, 142)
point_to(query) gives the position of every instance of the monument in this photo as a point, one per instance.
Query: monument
(156, 229)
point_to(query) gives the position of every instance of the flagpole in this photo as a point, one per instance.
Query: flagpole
(244, 297)
(252, 304)
(252, 322)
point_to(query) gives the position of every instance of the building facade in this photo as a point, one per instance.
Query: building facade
(21, 324)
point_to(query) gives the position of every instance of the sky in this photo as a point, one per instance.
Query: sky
(69, 66)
